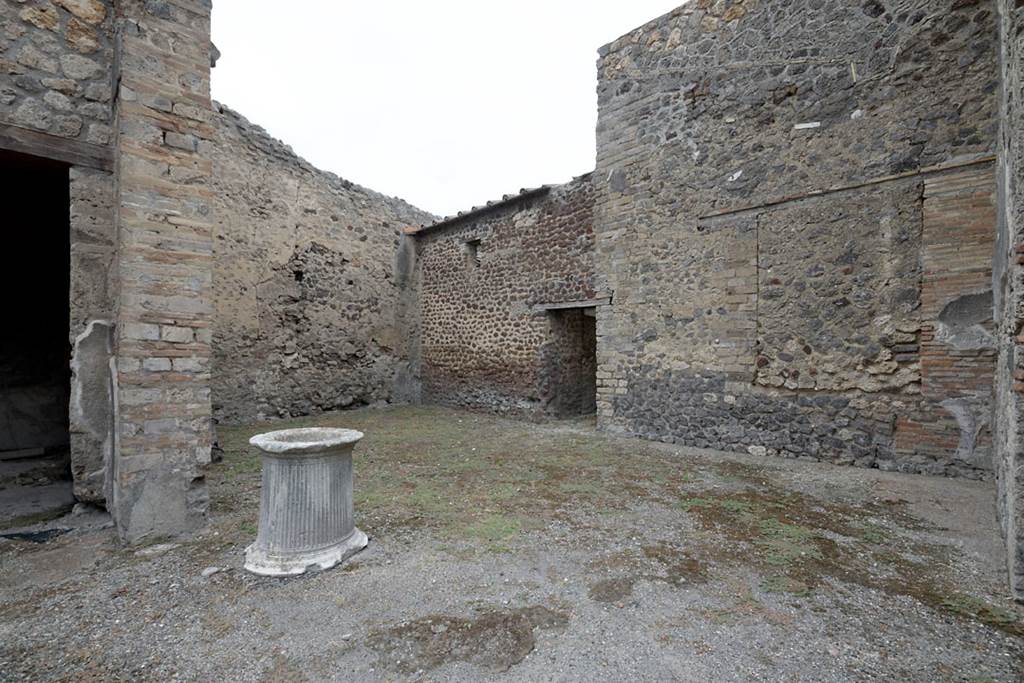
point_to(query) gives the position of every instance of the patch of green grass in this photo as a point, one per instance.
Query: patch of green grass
(369, 499)
(786, 544)
(428, 500)
(581, 488)
(872, 533)
(504, 492)
(778, 583)
(249, 463)
(976, 608)
(694, 502)
(494, 529)
(736, 507)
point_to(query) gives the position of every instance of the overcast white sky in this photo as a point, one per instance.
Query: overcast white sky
(445, 103)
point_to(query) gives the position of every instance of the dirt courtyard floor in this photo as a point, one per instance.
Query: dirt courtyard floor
(502, 550)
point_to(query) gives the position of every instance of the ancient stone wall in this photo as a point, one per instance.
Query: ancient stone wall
(795, 212)
(1008, 280)
(57, 61)
(93, 286)
(305, 289)
(57, 71)
(485, 280)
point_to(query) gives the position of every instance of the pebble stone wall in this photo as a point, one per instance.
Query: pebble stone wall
(486, 340)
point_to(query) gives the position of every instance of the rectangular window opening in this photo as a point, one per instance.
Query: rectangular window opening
(472, 249)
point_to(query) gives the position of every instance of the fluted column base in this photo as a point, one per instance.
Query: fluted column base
(260, 561)
(306, 515)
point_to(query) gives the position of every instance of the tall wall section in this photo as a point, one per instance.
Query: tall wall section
(795, 216)
(1009, 287)
(306, 294)
(486, 282)
(163, 202)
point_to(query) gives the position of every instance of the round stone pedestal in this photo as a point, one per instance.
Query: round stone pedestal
(306, 502)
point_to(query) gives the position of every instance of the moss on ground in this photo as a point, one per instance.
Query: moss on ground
(452, 472)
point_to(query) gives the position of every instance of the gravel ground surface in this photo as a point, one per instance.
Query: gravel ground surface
(509, 551)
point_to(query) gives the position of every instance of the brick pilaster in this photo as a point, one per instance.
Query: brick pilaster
(164, 265)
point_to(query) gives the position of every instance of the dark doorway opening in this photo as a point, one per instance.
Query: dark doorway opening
(35, 375)
(572, 362)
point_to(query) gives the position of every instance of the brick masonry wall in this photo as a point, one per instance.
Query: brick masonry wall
(306, 296)
(1008, 280)
(483, 342)
(165, 255)
(56, 59)
(795, 231)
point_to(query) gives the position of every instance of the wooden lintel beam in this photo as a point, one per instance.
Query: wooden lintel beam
(589, 303)
(38, 144)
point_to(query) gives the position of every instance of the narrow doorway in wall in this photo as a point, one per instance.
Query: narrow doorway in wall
(572, 362)
(35, 376)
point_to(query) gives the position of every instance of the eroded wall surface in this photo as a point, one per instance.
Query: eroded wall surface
(306, 291)
(93, 287)
(1008, 282)
(486, 341)
(795, 216)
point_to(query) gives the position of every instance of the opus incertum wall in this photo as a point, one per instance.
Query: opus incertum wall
(486, 283)
(797, 232)
(1008, 281)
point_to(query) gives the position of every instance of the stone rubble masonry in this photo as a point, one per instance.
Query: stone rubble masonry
(164, 264)
(481, 279)
(797, 233)
(306, 298)
(1008, 282)
(56, 69)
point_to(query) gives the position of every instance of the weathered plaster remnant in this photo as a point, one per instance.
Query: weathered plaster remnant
(965, 323)
(92, 411)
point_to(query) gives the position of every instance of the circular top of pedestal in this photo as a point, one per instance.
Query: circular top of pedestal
(308, 440)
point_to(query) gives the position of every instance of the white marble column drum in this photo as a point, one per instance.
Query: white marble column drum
(306, 518)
